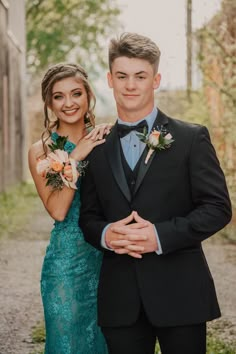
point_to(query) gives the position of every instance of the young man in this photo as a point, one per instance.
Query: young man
(150, 215)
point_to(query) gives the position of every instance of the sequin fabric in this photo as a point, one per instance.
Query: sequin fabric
(69, 283)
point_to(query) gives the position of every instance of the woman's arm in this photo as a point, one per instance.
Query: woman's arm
(56, 202)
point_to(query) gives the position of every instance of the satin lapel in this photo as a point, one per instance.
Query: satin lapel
(160, 120)
(113, 154)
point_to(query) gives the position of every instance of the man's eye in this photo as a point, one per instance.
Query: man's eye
(121, 77)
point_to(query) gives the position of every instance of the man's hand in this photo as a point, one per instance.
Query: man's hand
(132, 239)
(112, 236)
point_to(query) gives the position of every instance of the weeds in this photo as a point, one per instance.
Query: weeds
(15, 207)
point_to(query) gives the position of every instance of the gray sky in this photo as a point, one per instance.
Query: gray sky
(164, 21)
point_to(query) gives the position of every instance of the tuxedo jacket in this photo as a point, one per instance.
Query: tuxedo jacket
(182, 191)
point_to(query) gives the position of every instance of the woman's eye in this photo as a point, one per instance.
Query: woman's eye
(57, 97)
(78, 94)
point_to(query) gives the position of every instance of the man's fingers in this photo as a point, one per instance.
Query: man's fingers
(121, 251)
(125, 251)
(127, 245)
(126, 220)
(139, 225)
(127, 240)
(128, 233)
(135, 248)
(119, 243)
(135, 255)
(138, 218)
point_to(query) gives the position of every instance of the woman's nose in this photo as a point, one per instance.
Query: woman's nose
(68, 101)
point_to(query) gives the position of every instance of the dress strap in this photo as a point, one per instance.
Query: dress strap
(54, 136)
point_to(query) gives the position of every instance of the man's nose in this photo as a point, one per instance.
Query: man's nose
(130, 84)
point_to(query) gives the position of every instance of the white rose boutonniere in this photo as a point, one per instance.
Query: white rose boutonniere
(158, 139)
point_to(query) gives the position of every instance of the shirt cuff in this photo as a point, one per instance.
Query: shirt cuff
(159, 251)
(103, 242)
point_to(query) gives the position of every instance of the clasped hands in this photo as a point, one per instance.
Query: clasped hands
(132, 235)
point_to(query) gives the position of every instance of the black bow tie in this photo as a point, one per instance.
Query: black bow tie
(123, 129)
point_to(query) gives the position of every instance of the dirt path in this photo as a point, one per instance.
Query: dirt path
(20, 303)
(222, 262)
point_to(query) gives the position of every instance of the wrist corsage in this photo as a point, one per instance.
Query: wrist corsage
(59, 168)
(158, 139)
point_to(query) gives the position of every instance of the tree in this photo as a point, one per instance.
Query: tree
(217, 58)
(58, 30)
(189, 48)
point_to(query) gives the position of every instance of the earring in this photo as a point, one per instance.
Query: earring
(87, 121)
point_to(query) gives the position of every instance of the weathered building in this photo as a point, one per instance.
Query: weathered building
(12, 92)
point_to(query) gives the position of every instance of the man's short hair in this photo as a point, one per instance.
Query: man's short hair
(134, 45)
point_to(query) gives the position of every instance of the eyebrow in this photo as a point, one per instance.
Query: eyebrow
(75, 89)
(138, 73)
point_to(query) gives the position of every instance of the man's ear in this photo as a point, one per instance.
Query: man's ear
(157, 81)
(109, 79)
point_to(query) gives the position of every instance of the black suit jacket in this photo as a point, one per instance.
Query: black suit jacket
(182, 191)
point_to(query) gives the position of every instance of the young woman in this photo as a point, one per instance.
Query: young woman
(71, 266)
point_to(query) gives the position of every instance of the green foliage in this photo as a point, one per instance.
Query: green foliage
(217, 60)
(157, 349)
(59, 144)
(215, 346)
(15, 206)
(217, 53)
(56, 28)
(38, 334)
(38, 338)
(175, 104)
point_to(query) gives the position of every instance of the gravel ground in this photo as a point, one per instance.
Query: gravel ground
(21, 258)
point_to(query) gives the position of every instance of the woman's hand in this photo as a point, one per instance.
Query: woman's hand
(99, 131)
(85, 146)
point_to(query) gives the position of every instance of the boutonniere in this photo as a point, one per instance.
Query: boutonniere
(58, 168)
(158, 139)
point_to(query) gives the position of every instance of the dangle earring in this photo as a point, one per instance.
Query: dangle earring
(88, 122)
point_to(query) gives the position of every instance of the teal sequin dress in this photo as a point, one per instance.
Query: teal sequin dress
(69, 283)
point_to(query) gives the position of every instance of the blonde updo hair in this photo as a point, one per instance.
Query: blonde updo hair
(54, 74)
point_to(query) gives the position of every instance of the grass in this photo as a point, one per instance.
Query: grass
(15, 207)
(38, 334)
(214, 345)
(38, 337)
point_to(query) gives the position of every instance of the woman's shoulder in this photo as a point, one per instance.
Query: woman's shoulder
(38, 149)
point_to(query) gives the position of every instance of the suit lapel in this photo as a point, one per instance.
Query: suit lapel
(160, 120)
(112, 148)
